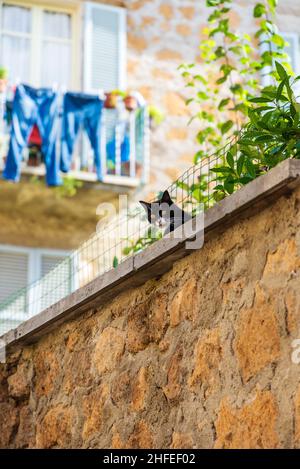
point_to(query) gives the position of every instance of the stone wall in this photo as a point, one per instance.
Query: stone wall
(199, 358)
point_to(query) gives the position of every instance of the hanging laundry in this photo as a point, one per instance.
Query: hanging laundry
(33, 106)
(81, 110)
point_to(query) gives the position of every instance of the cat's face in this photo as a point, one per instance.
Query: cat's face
(158, 212)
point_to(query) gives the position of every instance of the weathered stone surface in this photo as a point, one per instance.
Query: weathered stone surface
(56, 428)
(136, 42)
(258, 342)
(140, 390)
(208, 355)
(188, 12)
(184, 29)
(19, 383)
(141, 437)
(3, 383)
(177, 133)
(120, 392)
(26, 430)
(46, 370)
(175, 104)
(138, 334)
(252, 426)
(169, 54)
(8, 422)
(182, 441)
(109, 349)
(297, 418)
(93, 411)
(293, 311)
(184, 303)
(282, 262)
(174, 377)
(158, 318)
(166, 10)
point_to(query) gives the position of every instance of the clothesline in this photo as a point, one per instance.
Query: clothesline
(44, 108)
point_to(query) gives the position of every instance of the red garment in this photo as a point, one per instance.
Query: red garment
(35, 137)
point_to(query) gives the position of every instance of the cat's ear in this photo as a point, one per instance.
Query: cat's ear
(145, 205)
(166, 198)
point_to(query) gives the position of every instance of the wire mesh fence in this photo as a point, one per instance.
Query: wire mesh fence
(116, 240)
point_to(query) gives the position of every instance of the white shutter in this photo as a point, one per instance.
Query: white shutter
(49, 262)
(13, 273)
(292, 49)
(104, 48)
(55, 282)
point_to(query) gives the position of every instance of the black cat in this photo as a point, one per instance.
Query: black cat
(165, 213)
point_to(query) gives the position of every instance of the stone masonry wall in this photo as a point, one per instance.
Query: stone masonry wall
(199, 358)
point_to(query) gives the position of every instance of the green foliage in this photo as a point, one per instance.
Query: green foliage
(155, 114)
(271, 136)
(3, 73)
(141, 243)
(68, 188)
(229, 75)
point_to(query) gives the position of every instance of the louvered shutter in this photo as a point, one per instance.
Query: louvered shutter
(55, 282)
(49, 262)
(13, 275)
(104, 48)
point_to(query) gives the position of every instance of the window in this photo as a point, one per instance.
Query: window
(105, 48)
(36, 45)
(21, 267)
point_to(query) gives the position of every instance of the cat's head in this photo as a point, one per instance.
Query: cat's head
(158, 212)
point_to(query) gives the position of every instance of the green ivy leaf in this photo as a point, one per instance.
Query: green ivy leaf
(259, 10)
(127, 250)
(281, 71)
(223, 103)
(278, 40)
(240, 164)
(230, 159)
(226, 126)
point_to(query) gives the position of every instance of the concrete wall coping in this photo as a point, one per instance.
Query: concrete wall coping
(159, 257)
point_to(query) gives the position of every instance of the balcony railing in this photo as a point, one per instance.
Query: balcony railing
(122, 132)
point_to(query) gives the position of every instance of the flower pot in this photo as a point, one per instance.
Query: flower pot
(111, 100)
(130, 103)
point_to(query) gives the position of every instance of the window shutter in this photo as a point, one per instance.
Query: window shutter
(13, 274)
(55, 282)
(49, 262)
(104, 48)
(292, 49)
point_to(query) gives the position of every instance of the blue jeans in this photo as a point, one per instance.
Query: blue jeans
(81, 110)
(32, 106)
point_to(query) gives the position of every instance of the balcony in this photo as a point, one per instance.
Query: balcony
(124, 148)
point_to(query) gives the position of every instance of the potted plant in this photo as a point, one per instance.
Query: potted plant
(111, 98)
(3, 79)
(130, 102)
